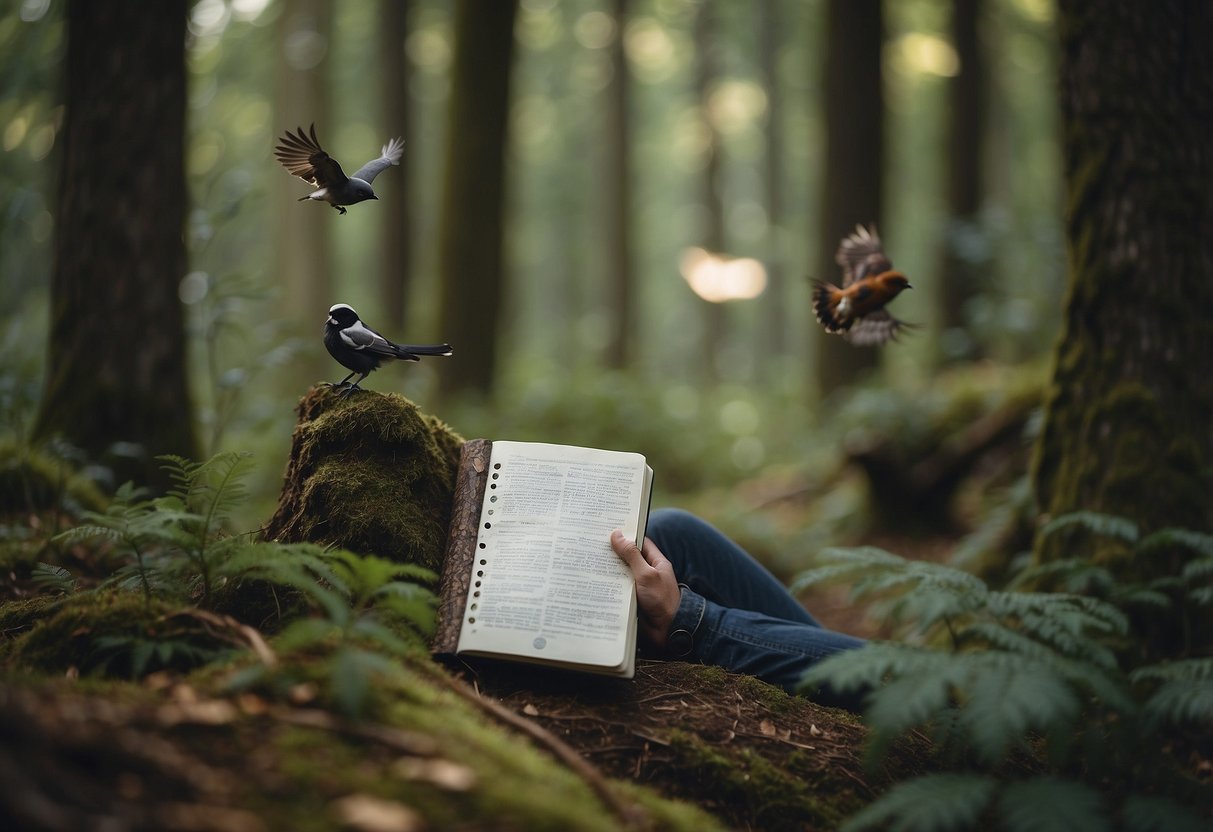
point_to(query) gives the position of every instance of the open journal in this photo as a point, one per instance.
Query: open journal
(529, 574)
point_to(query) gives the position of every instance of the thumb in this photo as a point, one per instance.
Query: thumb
(627, 549)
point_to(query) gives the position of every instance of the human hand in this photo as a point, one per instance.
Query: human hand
(657, 590)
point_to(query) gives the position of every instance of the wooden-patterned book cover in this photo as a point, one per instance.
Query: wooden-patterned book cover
(460, 554)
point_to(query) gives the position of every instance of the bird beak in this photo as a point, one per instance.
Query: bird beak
(908, 286)
(331, 320)
(374, 197)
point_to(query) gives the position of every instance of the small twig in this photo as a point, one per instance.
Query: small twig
(633, 817)
(248, 635)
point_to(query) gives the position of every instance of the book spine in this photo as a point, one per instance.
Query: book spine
(461, 538)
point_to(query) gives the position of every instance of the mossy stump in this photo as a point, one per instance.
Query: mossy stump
(371, 473)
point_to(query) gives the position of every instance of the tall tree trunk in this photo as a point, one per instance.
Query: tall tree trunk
(302, 244)
(715, 321)
(1128, 424)
(116, 358)
(395, 232)
(621, 274)
(960, 267)
(470, 255)
(772, 332)
(854, 163)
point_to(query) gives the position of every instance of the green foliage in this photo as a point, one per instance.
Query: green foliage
(49, 578)
(933, 803)
(357, 615)
(1009, 683)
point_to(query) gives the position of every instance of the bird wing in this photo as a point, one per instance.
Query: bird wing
(302, 156)
(875, 329)
(388, 156)
(358, 336)
(861, 254)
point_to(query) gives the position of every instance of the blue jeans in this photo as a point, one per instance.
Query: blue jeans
(736, 613)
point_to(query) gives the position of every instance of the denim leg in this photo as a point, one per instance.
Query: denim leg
(718, 569)
(736, 614)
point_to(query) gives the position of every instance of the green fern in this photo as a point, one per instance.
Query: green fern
(1106, 525)
(52, 579)
(1048, 804)
(992, 674)
(934, 803)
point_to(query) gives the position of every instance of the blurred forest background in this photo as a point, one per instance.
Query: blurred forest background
(637, 133)
(613, 210)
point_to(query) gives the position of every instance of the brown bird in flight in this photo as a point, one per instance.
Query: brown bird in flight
(856, 311)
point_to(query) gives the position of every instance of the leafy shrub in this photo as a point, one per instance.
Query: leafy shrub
(1038, 722)
(357, 614)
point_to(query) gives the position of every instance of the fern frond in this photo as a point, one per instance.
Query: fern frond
(48, 577)
(839, 563)
(1180, 702)
(1075, 575)
(1002, 703)
(1151, 813)
(1196, 571)
(1196, 542)
(368, 627)
(1190, 669)
(351, 676)
(88, 532)
(1047, 804)
(932, 803)
(306, 634)
(1104, 525)
(853, 671)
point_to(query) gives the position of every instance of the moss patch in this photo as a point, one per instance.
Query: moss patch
(370, 473)
(31, 481)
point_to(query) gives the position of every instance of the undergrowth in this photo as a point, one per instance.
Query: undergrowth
(357, 615)
(1046, 710)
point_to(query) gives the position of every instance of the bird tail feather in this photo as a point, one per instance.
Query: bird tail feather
(825, 306)
(413, 350)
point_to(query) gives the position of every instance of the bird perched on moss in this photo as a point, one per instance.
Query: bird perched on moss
(869, 282)
(361, 349)
(301, 154)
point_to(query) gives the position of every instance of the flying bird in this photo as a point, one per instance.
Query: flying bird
(857, 310)
(301, 154)
(361, 349)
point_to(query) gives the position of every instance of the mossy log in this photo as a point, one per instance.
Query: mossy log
(371, 473)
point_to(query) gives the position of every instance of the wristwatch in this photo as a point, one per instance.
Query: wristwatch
(680, 641)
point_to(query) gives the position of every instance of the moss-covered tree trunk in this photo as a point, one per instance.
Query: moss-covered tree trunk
(116, 378)
(471, 237)
(1129, 419)
(853, 183)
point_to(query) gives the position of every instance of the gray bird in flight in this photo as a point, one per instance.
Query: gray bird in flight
(301, 154)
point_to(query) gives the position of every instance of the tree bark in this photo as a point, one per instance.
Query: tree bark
(854, 164)
(395, 233)
(302, 244)
(116, 358)
(960, 271)
(1128, 424)
(621, 275)
(470, 241)
(773, 331)
(715, 321)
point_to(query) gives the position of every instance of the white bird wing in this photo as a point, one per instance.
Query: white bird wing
(360, 337)
(389, 155)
